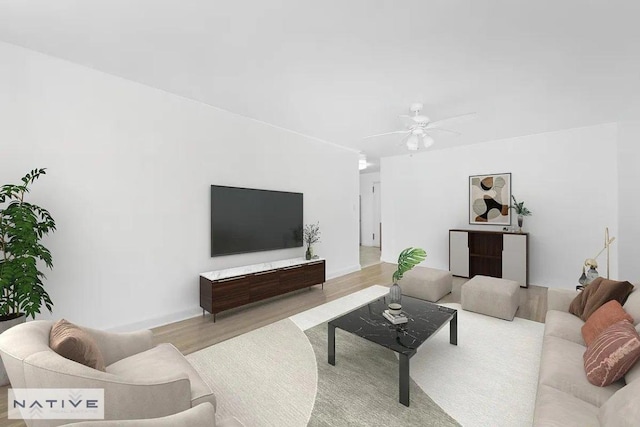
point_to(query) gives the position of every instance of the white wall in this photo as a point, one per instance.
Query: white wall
(629, 200)
(367, 207)
(129, 170)
(568, 179)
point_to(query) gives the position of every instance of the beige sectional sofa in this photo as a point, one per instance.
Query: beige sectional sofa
(565, 397)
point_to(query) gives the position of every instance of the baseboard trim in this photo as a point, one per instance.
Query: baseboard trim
(342, 272)
(158, 321)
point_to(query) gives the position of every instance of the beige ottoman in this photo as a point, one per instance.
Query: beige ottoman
(426, 283)
(491, 296)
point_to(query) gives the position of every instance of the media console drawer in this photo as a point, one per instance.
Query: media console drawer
(217, 295)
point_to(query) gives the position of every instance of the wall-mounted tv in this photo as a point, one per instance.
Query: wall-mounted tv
(251, 220)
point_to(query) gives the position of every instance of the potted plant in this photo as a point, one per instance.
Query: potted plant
(407, 259)
(22, 227)
(521, 211)
(311, 235)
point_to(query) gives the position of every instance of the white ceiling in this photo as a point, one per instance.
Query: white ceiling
(343, 69)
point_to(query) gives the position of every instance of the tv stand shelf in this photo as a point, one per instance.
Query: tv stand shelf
(222, 290)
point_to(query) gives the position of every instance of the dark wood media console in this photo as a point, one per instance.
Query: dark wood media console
(226, 289)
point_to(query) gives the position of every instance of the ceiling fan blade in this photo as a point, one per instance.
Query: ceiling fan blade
(451, 119)
(404, 140)
(429, 128)
(387, 133)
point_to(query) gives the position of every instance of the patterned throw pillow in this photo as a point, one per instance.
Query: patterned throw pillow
(612, 354)
(610, 313)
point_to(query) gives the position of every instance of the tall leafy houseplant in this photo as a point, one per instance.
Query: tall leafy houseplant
(407, 259)
(22, 227)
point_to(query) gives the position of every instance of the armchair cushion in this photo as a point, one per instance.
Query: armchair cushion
(73, 343)
(161, 360)
(199, 416)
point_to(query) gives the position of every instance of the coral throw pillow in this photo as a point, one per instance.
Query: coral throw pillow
(612, 354)
(608, 314)
(596, 293)
(74, 343)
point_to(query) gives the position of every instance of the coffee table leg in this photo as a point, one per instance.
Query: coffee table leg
(453, 330)
(404, 379)
(332, 344)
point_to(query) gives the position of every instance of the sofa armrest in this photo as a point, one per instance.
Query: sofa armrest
(117, 346)
(560, 299)
(124, 398)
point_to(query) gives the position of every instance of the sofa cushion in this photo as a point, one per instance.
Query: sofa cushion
(563, 325)
(612, 354)
(623, 409)
(73, 343)
(562, 367)
(557, 408)
(164, 358)
(633, 373)
(632, 306)
(605, 316)
(598, 292)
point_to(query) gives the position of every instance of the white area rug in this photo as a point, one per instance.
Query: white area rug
(488, 379)
(266, 377)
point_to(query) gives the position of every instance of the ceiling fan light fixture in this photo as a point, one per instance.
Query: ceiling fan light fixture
(412, 143)
(362, 162)
(427, 140)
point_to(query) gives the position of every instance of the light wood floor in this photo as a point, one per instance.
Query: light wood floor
(200, 332)
(369, 255)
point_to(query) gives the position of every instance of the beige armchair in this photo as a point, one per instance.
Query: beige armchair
(141, 381)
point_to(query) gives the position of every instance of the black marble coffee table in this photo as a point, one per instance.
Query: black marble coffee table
(425, 319)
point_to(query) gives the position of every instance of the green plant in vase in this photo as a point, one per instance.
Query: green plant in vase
(407, 259)
(520, 210)
(311, 235)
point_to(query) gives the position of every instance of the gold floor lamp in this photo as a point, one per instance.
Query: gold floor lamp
(587, 278)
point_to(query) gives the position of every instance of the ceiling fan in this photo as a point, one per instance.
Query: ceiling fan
(419, 127)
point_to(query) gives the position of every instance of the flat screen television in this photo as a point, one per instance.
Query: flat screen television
(251, 220)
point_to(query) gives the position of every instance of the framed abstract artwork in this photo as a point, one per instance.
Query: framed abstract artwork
(489, 199)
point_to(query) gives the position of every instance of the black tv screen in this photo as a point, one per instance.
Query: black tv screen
(250, 220)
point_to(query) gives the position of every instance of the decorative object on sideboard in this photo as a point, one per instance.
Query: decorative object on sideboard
(592, 263)
(521, 211)
(22, 227)
(311, 235)
(489, 197)
(408, 258)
